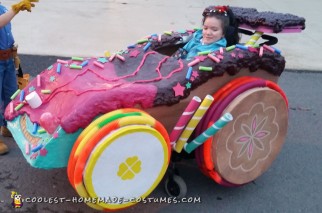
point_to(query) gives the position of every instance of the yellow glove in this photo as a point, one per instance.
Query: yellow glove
(23, 5)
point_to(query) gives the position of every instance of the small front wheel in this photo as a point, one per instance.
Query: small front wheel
(175, 186)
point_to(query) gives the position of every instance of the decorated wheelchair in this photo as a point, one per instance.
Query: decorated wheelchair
(115, 121)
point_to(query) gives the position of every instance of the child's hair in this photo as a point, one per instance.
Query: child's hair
(229, 23)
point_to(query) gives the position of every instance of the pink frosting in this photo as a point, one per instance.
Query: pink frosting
(78, 96)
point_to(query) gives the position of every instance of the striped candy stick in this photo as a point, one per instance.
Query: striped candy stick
(254, 38)
(204, 106)
(225, 119)
(184, 119)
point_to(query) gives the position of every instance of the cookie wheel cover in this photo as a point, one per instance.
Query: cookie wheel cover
(123, 166)
(207, 155)
(105, 132)
(203, 156)
(246, 148)
(90, 130)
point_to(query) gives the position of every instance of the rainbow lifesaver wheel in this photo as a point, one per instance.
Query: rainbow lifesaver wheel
(119, 159)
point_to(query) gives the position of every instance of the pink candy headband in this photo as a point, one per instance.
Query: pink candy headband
(216, 9)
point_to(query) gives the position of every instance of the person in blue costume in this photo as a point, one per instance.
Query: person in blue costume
(219, 29)
(8, 80)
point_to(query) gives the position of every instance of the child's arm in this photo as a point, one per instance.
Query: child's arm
(6, 17)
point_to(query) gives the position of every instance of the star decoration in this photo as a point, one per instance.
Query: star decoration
(102, 60)
(201, 57)
(195, 74)
(55, 135)
(233, 55)
(240, 55)
(188, 85)
(52, 78)
(43, 152)
(134, 53)
(178, 90)
(32, 88)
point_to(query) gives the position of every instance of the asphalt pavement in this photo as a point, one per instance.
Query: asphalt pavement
(58, 29)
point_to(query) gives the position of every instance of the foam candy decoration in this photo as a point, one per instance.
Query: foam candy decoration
(120, 57)
(230, 47)
(214, 58)
(218, 125)
(41, 131)
(184, 119)
(77, 59)
(48, 122)
(201, 57)
(27, 148)
(221, 50)
(254, 38)
(22, 95)
(188, 76)
(202, 109)
(62, 61)
(84, 63)
(98, 64)
(74, 66)
(19, 106)
(58, 69)
(37, 148)
(112, 57)
(241, 47)
(35, 128)
(45, 91)
(167, 32)
(147, 46)
(142, 41)
(15, 94)
(261, 51)
(131, 46)
(276, 50)
(269, 48)
(11, 107)
(204, 52)
(33, 100)
(107, 54)
(38, 81)
(194, 62)
(202, 68)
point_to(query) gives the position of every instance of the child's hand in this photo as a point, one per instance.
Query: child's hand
(23, 5)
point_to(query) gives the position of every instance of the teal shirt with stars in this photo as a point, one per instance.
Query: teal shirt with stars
(194, 45)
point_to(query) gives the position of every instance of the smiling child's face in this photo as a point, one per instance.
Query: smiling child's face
(212, 30)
